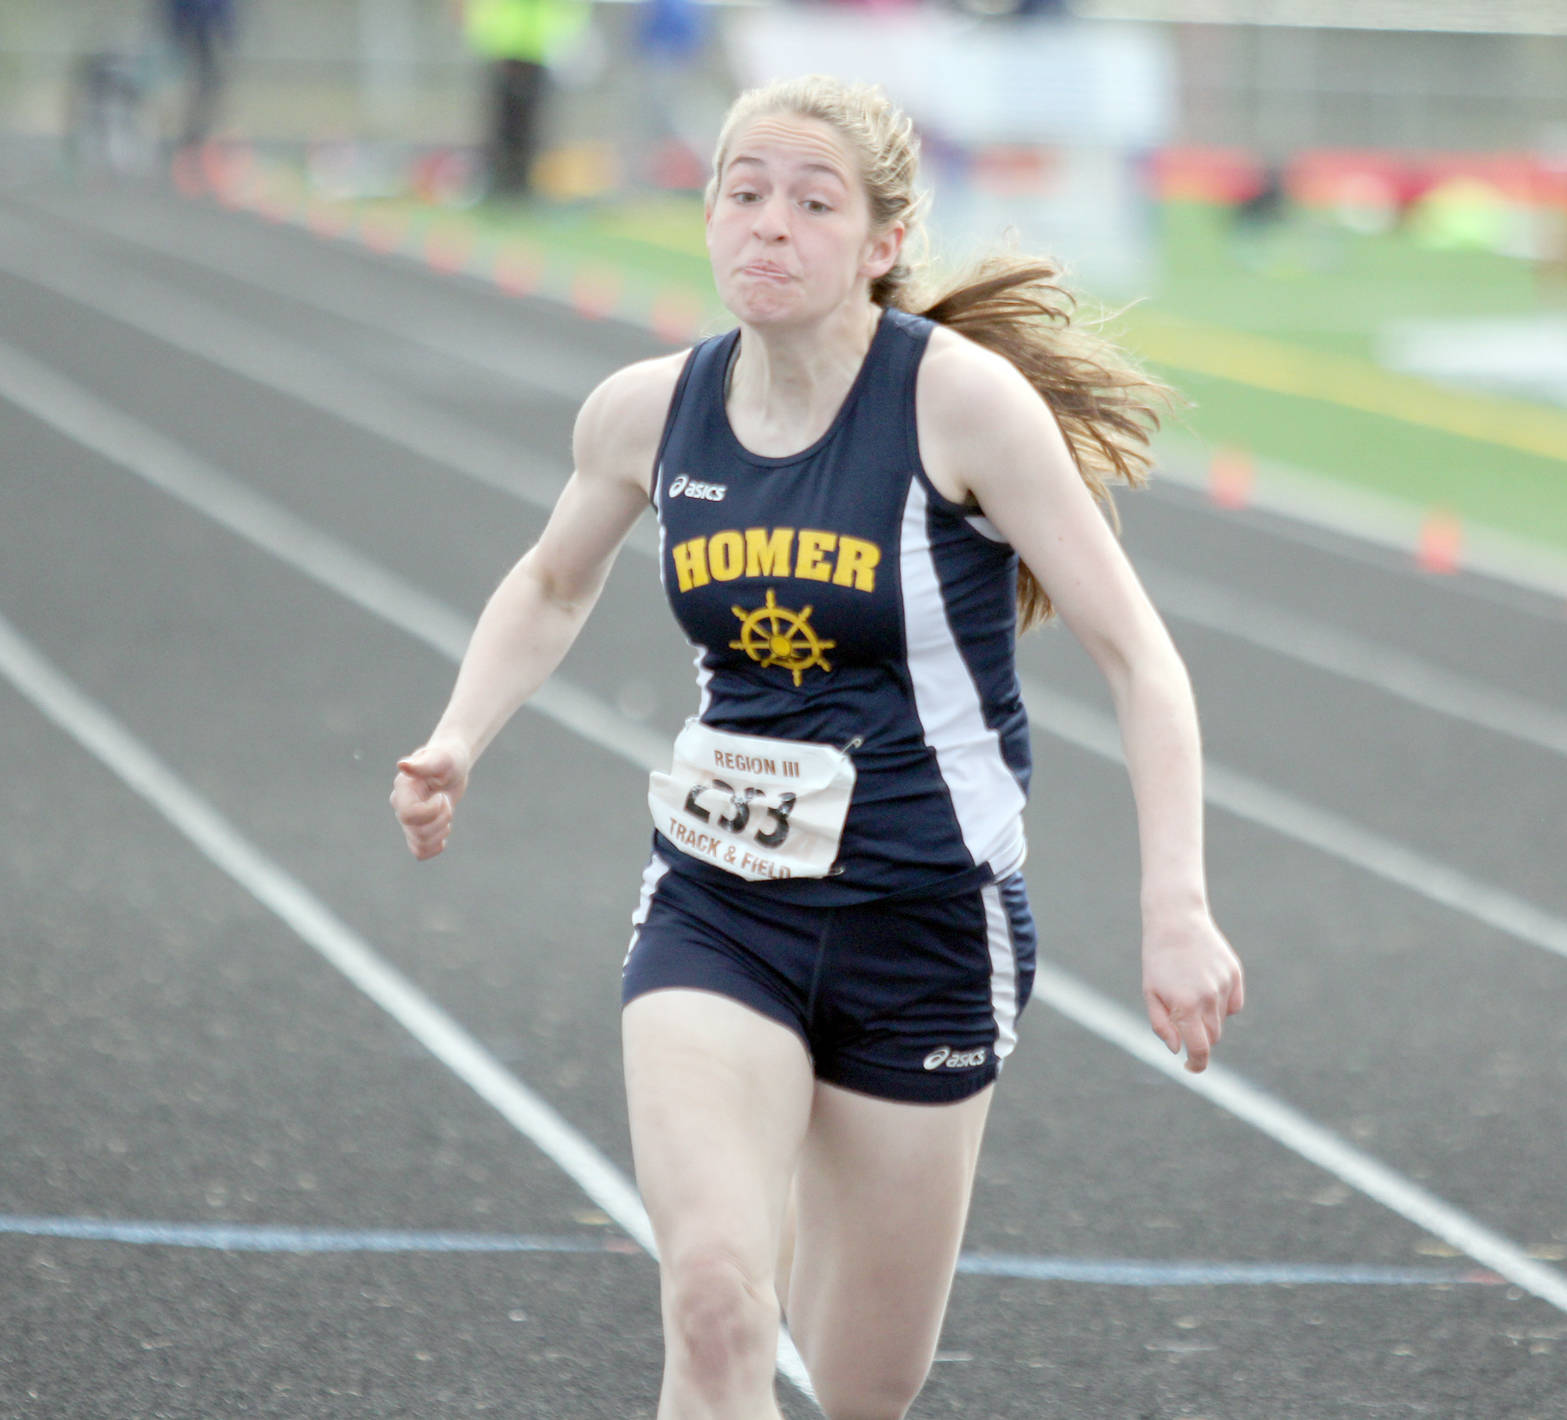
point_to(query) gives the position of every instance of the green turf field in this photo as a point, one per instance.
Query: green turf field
(1275, 344)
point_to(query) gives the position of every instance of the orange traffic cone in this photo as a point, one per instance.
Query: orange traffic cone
(518, 269)
(1231, 478)
(1441, 541)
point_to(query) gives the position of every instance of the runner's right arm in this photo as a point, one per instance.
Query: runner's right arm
(536, 613)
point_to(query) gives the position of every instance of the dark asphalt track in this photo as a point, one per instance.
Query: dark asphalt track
(172, 1052)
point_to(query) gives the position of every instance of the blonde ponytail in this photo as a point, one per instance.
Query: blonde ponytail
(1106, 407)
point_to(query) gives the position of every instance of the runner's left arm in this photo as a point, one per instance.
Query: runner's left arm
(1002, 444)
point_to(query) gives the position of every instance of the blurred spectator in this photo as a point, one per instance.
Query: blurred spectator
(1259, 220)
(519, 39)
(674, 29)
(200, 32)
(106, 125)
(1266, 203)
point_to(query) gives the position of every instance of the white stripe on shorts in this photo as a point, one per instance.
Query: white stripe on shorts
(652, 876)
(1003, 969)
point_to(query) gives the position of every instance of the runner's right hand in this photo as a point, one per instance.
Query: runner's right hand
(429, 783)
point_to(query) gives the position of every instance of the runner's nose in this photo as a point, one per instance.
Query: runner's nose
(770, 222)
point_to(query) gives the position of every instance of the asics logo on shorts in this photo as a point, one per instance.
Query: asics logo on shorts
(944, 1057)
(684, 487)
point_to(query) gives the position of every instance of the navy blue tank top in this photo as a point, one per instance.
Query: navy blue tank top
(834, 596)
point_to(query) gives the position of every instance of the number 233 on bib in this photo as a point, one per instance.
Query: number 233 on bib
(759, 808)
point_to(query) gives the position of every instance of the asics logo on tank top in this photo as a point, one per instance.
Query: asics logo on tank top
(683, 486)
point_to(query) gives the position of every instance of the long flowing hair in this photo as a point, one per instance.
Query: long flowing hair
(1106, 407)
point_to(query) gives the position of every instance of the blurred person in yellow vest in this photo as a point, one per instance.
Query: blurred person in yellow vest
(520, 39)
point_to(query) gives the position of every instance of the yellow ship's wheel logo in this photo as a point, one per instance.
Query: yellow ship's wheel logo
(772, 635)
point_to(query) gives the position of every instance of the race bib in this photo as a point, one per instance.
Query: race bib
(755, 807)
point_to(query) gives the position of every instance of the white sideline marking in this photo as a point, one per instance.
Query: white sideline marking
(610, 731)
(319, 927)
(301, 374)
(284, 366)
(120, 752)
(131, 445)
(1353, 657)
(1289, 1127)
(490, 348)
(1328, 833)
(1323, 512)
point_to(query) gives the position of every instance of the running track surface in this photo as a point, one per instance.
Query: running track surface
(293, 1126)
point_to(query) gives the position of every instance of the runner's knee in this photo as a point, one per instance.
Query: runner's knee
(879, 1393)
(721, 1318)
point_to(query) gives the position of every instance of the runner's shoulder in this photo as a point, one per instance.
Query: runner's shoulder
(623, 419)
(965, 382)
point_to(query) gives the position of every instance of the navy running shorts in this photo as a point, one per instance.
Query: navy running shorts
(905, 999)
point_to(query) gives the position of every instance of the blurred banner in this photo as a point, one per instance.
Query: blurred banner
(1038, 127)
(1538, 17)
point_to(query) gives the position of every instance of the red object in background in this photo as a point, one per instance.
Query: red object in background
(518, 269)
(677, 169)
(1441, 542)
(1231, 477)
(596, 291)
(676, 318)
(1321, 177)
(1223, 175)
(1012, 170)
(449, 248)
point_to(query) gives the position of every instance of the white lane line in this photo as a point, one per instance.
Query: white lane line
(492, 347)
(319, 927)
(1360, 525)
(124, 441)
(1289, 1127)
(1352, 657)
(601, 725)
(1328, 833)
(286, 367)
(315, 923)
(297, 372)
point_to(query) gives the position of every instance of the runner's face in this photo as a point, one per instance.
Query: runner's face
(789, 229)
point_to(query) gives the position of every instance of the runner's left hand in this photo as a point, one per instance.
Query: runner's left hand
(1192, 980)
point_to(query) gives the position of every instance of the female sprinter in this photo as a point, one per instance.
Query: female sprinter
(833, 941)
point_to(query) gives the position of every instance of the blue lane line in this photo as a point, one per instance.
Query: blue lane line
(244, 1237)
(1119, 1273)
(249, 1237)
